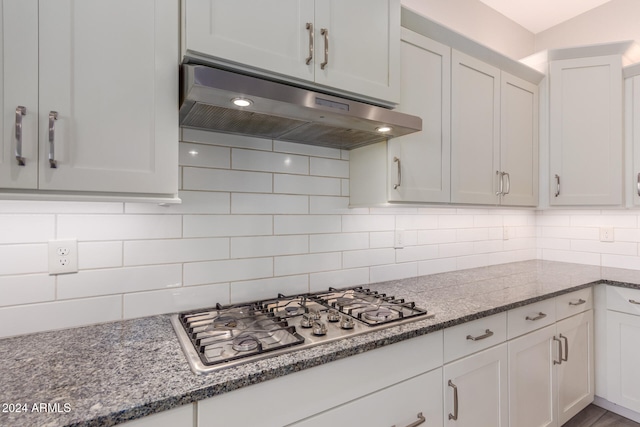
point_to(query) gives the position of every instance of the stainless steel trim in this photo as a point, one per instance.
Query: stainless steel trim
(399, 180)
(421, 420)
(540, 315)
(508, 182)
(632, 301)
(557, 185)
(20, 111)
(325, 33)
(53, 116)
(566, 348)
(487, 333)
(454, 416)
(558, 362)
(310, 57)
(580, 302)
(500, 192)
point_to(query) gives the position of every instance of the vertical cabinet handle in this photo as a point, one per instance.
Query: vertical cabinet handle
(421, 420)
(557, 185)
(454, 416)
(20, 111)
(53, 116)
(399, 180)
(310, 57)
(324, 32)
(638, 184)
(566, 349)
(506, 174)
(500, 192)
(558, 362)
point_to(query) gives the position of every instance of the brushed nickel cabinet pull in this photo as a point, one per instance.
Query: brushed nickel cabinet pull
(487, 333)
(632, 301)
(557, 185)
(421, 420)
(399, 180)
(53, 116)
(540, 315)
(454, 416)
(558, 362)
(506, 174)
(20, 111)
(566, 348)
(638, 184)
(580, 302)
(500, 192)
(310, 57)
(325, 33)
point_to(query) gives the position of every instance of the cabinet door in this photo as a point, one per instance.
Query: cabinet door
(475, 130)
(110, 71)
(362, 47)
(519, 141)
(586, 131)
(424, 157)
(532, 399)
(633, 115)
(399, 405)
(623, 344)
(481, 382)
(19, 88)
(575, 373)
(269, 36)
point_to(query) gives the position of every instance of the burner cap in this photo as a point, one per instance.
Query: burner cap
(291, 310)
(245, 343)
(378, 314)
(344, 301)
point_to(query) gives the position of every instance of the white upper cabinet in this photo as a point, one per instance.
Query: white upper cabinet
(475, 130)
(586, 131)
(353, 46)
(106, 110)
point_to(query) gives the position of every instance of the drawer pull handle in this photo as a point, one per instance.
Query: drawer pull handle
(566, 348)
(632, 301)
(488, 333)
(421, 420)
(454, 416)
(580, 302)
(558, 362)
(20, 111)
(540, 315)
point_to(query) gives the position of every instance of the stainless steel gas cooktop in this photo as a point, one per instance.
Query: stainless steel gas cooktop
(225, 336)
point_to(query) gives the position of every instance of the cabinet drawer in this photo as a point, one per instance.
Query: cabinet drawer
(534, 316)
(574, 303)
(462, 340)
(625, 300)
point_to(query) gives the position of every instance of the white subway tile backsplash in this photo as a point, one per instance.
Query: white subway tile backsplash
(571, 256)
(621, 261)
(384, 273)
(257, 246)
(225, 139)
(306, 150)
(141, 304)
(338, 279)
(356, 223)
(617, 248)
(24, 259)
(622, 221)
(27, 289)
(269, 162)
(298, 264)
(338, 242)
(493, 220)
(99, 255)
(472, 234)
(381, 239)
(329, 167)
(227, 225)
(193, 202)
(435, 266)
(119, 227)
(311, 185)
(200, 273)
(368, 257)
(472, 261)
(59, 315)
(225, 180)
(426, 237)
(50, 207)
(306, 224)
(334, 206)
(455, 221)
(208, 156)
(416, 222)
(417, 253)
(269, 204)
(26, 228)
(344, 187)
(268, 288)
(145, 252)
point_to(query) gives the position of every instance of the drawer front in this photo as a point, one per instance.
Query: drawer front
(624, 300)
(573, 303)
(534, 316)
(468, 338)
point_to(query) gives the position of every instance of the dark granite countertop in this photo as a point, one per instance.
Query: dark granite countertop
(109, 373)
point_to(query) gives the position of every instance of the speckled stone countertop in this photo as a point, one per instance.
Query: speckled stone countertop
(106, 374)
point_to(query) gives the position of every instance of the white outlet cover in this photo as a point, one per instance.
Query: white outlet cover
(63, 256)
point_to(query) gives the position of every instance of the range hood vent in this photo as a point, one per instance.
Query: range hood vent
(283, 112)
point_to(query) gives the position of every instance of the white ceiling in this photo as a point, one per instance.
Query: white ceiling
(538, 15)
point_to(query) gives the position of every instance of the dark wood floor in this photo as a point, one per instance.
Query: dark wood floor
(594, 416)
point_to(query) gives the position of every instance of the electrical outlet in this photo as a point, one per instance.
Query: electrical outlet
(398, 242)
(63, 256)
(606, 234)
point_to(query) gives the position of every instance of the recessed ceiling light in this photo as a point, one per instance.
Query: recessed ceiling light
(384, 129)
(242, 102)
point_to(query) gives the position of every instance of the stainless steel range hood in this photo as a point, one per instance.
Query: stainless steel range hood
(283, 112)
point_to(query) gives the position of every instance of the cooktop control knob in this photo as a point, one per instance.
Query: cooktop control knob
(306, 321)
(314, 315)
(346, 323)
(333, 316)
(319, 329)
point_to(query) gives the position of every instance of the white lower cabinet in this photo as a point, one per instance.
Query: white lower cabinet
(178, 417)
(475, 390)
